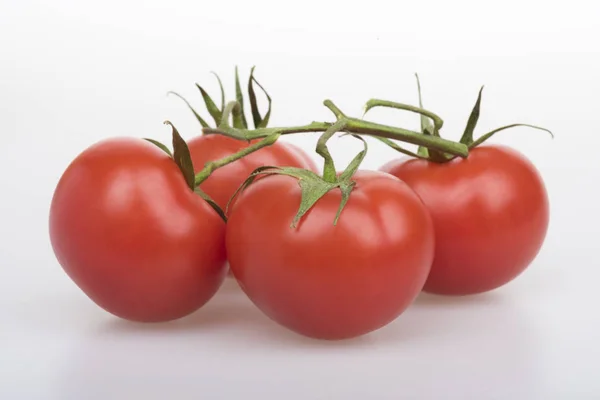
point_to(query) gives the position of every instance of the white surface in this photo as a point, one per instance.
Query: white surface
(72, 73)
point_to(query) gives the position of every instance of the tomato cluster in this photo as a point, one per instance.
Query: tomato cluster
(147, 234)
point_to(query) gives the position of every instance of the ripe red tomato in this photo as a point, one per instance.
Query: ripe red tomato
(131, 234)
(490, 213)
(326, 281)
(223, 183)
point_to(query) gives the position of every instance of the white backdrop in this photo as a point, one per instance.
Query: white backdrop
(74, 72)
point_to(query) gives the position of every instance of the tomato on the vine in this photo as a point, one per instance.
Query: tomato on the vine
(331, 281)
(223, 183)
(490, 213)
(130, 232)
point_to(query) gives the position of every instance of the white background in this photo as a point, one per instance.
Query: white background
(74, 72)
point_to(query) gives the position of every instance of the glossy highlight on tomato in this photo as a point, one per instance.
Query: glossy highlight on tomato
(490, 213)
(331, 281)
(133, 236)
(224, 182)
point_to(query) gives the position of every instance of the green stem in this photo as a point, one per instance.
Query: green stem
(225, 131)
(437, 121)
(359, 126)
(349, 125)
(264, 132)
(404, 135)
(210, 167)
(329, 171)
(334, 109)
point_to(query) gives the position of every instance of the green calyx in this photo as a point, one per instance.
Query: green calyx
(312, 186)
(259, 121)
(431, 125)
(222, 112)
(467, 137)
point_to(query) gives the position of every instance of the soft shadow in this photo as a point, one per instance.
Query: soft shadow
(428, 300)
(230, 313)
(230, 285)
(211, 352)
(433, 317)
(228, 306)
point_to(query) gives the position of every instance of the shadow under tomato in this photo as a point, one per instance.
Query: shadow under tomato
(212, 348)
(232, 315)
(428, 299)
(432, 317)
(228, 306)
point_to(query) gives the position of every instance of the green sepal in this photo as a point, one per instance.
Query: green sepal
(222, 91)
(346, 184)
(160, 146)
(346, 188)
(467, 136)
(239, 123)
(234, 110)
(212, 108)
(211, 203)
(427, 128)
(488, 135)
(312, 191)
(181, 156)
(426, 125)
(258, 171)
(185, 163)
(259, 121)
(198, 117)
(356, 161)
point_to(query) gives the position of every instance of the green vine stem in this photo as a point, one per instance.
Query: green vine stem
(329, 170)
(427, 128)
(210, 167)
(351, 125)
(437, 121)
(230, 121)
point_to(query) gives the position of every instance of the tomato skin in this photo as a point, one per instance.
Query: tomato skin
(223, 183)
(490, 213)
(326, 281)
(131, 234)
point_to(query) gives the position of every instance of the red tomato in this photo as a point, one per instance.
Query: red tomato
(490, 213)
(326, 281)
(223, 183)
(132, 235)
